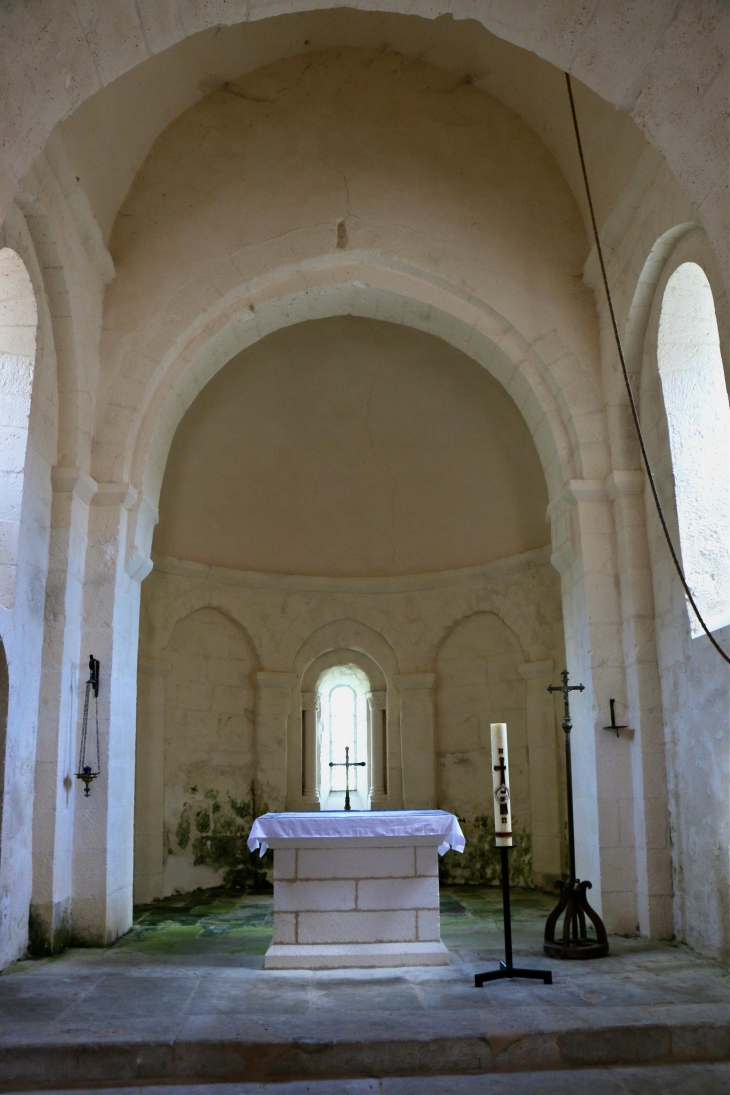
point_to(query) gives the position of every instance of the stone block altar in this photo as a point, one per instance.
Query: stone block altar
(356, 888)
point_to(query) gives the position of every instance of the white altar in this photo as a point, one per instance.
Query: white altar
(358, 888)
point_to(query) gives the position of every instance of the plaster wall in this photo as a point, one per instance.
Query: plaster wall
(678, 692)
(406, 626)
(21, 618)
(351, 447)
(666, 66)
(695, 683)
(332, 142)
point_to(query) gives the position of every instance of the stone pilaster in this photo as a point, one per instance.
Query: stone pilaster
(546, 792)
(273, 704)
(310, 751)
(149, 791)
(62, 679)
(104, 822)
(584, 553)
(377, 738)
(646, 742)
(417, 727)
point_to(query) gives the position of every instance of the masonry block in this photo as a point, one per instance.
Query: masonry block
(417, 893)
(358, 927)
(285, 927)
(314, 896)
(429, 925)
(357, 863)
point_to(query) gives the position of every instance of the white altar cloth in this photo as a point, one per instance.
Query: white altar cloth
(334, 824)
(357, 888)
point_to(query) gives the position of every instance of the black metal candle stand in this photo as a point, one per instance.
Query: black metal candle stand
(506, 966)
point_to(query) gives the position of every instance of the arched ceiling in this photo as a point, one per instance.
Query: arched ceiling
(351, 447)
(664, 63)
(109, 136)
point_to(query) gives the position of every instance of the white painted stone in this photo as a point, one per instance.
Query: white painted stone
(366, 863)
(429, 926)
(357, 955)
(314, 896)
(417, 893)
(427, 861)
(392, 926)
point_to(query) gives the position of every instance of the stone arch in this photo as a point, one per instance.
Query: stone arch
(645, 86)
(684, 247)
(74, 423)
(194, 601)
(340, 642)
(346, 634)
(195, 757)
(698, 419)
(18, 332)
(697, 760)
(377, 728)
(374, 287)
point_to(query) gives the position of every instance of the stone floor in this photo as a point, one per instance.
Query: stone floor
(184, 998)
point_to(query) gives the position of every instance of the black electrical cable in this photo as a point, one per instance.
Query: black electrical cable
(632, 402)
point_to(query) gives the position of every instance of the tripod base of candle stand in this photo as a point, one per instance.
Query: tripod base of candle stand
(506, 968)
(512, 971)
(575, 941)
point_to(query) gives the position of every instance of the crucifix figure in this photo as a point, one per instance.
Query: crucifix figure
(573, 901)
(348, 764)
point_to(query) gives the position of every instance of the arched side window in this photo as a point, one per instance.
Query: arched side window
(18, 325)
(343, 692)
(698, 418)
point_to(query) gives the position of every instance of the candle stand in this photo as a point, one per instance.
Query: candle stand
(506, 967)
(575, 942)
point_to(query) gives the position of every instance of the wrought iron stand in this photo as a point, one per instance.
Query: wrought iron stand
(506, 968)
(575, 943)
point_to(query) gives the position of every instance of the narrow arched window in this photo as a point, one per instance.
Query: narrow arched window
(18, 322)
(698, 418)
(343, 732)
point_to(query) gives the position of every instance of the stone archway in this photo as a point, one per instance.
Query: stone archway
(668, 86)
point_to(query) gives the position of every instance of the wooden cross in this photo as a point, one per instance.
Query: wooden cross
(348, 764)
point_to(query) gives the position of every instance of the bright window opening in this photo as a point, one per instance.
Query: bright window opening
(698, 417)
(343, 733)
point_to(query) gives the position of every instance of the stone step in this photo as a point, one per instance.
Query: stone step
(267, 1049)
(706, 1079)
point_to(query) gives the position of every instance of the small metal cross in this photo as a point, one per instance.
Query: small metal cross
(348, 764)
(566, 688)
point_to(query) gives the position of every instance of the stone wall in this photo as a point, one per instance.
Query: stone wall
(456, 652)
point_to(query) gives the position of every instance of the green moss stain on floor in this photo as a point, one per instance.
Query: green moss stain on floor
(203, 922)
(219, 922)
(472, 920)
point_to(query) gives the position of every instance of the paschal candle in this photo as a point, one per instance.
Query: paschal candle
(500, 786)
